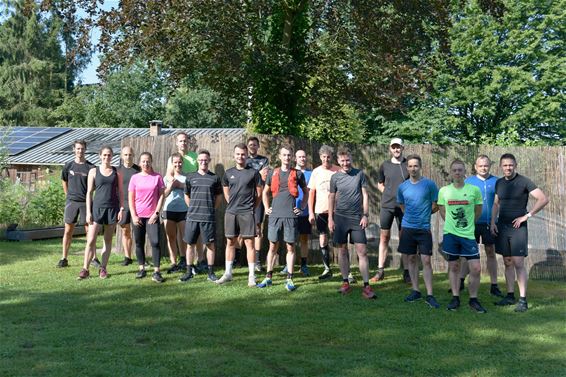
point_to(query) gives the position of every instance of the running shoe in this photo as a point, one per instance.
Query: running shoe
(224, 279)
(345, 288)
(267, 282)
(202, 266)
(476, 306)
(251, 282)
(494, 291)
(63, 263)
(84, 274)
(187, 277)
(212, 277)
(102, 273)
(289, 285)
(453, 304)
(327, 274)
(506, 301)
(182, 264)
(368, 293)
(379, 276)
(174, 268)
(127, 261)
(259, 267)
(283, 271)
(522, 306)
(431, 301)
(406, 276)
(141, 274)
(413, 296)
(95, 263)
(351, 279)
(156, 277)
(305, 270)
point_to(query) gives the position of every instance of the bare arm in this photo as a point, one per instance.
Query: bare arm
(155, 217)
(442, 211)
(226, 191)
(65, 186)
(89, 191)
(132, 204)
(187, 199)
(402, 206)
(312, 196)
(365, 207)
(381, 187)
(540, 201)
(331, 202)
(265, 197)
(477, 212)
(434, 208)
(258, 196)
(494, 214)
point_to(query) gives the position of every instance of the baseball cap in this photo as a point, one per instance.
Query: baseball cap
(396, 140)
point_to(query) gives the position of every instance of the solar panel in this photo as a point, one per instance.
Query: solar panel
(20, 139)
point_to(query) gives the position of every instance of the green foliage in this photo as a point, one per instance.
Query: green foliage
(47, 204)
(13, 203)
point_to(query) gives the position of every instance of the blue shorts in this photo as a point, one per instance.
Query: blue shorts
(456, 247)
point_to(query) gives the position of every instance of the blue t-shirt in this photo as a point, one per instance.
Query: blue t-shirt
(487, 189)
(417, 199)
(307, 175)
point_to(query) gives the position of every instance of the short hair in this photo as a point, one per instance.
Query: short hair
(176, 155)
(241, 146)
(326, 149)
(415, 157)
(204, 151)
(105, 147)
(286, 146)
(300, 150)
(457, 161)
(181, 133)
(483, 156)
(252, 138)
(343, 152)
(507, 156)
(148, 155)
(81, 142)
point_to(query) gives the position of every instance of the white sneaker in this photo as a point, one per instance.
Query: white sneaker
(224, 279)
(351, 279)
(251, 282)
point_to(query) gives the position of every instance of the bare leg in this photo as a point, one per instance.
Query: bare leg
(344, 260)
(509, 274)
(127, 240)
(491, 262)
(90, 245)
(230, 249)
(384, 237)
(171, 233)
(414, 271)
(427, 273)
(474, 280)
(304, 242)
(290, 257)
(272, 255)
(210, 253)
(464, 271)
(454, 276)
(363, 263)
(522, 277)
(190, 255)
(181, 244)
(67, 238)
(108, 233)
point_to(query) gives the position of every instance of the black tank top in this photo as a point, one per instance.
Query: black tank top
(106, 190)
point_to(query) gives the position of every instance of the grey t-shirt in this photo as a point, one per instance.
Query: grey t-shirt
(391, 176)
(348, 190)
(283, 204)
(242, 185)
(202, 190)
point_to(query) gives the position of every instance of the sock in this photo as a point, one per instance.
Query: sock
(251, 267)
(494, 285)
(456, 297)
(257, 257)
(228, 271)
(473, 299)
(289, 276)
(303, 261)
(269, 274)
(366, 284)
(523, 298)
(511, 295)
(210, 269)
(381, 269)
(325, 257)
(345, 281)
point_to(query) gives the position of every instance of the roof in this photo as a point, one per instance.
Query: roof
(59, 149)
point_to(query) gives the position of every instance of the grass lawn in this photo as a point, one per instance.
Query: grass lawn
(53, 325)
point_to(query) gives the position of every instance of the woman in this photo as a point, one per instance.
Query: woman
(175, 212)
(104, 210)
(145, 198)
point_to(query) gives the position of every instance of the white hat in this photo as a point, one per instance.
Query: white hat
(396, 140)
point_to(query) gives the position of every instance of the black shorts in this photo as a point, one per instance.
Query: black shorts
(259, 213)
(483, 234)
(126, 217)
(285, 225)
(512, 242)
(386, 216)
(344, 226)
(322, 223)
(304, 225)
(242, 224)
(194, 229)
(105, 216)
(174, 216)
(74, 211)
(413, 240)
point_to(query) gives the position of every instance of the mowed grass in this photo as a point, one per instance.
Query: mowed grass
(53, 325)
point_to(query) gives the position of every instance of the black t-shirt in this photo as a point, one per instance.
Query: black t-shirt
(282, 205)
(76, 176)
(202, 190)
(127, 174)
(106, 190)
(513, 197)
(242, 185)
(258, 162)
(391, 176)
(348, 190)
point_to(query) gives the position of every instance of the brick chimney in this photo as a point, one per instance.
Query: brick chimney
(155, 127)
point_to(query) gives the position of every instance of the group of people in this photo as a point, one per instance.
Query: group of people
(478, 209)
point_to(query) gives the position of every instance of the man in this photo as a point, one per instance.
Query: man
(512, 193)
(242, 191)
(304, 226)
(74, 179)
(125, 171)
(203, 193)
(417, 197)
(460, 205)
(391, 174)
(261, 164)
(348, 207)
(319, 187)
(486, 183)
(283, 185)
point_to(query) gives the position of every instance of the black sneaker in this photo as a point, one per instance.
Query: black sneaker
(95, 263)
(476, 306)
(327, 274)
(186, 277)
(506, 301)
(174, 268)
(156, 277)
(63, 263)
(127, 261)
(406, 276)
(522, 306)
(431, 301)
(212, 277)
(453, 304)
(413, 296)
(182, 263)
(495, 291)
(141, 274)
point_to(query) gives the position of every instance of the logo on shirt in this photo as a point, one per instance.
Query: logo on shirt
(459, 217)
(232, 177)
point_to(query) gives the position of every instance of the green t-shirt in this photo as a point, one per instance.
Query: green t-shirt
(190, 163)
(459, 205)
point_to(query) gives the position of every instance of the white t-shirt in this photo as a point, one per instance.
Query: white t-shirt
(320, 182)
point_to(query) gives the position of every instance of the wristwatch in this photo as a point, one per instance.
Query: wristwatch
(529, 215)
